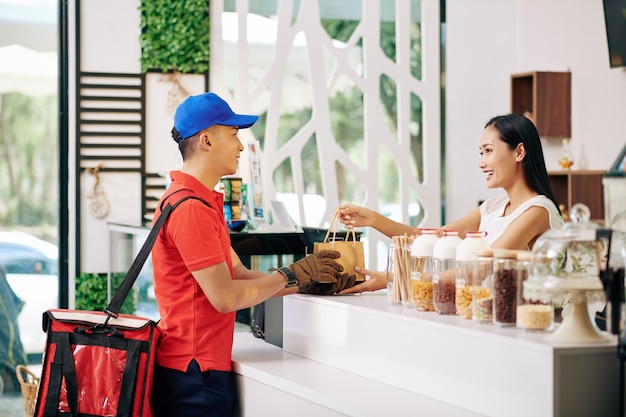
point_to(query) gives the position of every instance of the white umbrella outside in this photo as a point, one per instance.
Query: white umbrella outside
(26, 71)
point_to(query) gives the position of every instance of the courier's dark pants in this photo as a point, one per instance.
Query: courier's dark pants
(192, 393)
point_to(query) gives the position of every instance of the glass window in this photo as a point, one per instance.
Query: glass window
(29, 194)
(341, 90)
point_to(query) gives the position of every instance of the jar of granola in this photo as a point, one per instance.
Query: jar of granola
(422, 269)
(444, 271)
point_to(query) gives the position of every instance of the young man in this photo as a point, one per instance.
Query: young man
(199, 280)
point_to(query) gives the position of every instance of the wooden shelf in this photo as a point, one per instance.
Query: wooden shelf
(572, 186)
(546, 98)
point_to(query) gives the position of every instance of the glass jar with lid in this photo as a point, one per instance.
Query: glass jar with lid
(505, 287)
(399, 270)
(422, 269)
(534, 307)
(472, 274)
(532, 313)
(482, 295)
(444, 271)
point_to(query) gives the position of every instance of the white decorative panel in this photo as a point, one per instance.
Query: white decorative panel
(349, 98)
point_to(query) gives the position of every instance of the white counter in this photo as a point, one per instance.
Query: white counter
(363, 356)
(276, 383)
(488, 369)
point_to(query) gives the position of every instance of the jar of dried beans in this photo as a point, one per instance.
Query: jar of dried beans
(444, 271)
(505, 287)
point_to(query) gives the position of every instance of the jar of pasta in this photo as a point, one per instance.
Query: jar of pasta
(422, 269)
(444, 271)
(482, 302)
(472, 276)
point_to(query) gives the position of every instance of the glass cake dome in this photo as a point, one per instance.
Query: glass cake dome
(565, 269)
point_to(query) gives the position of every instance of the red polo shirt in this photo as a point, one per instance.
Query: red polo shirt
(194, 237)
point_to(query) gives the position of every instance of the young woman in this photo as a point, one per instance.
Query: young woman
(511, 159)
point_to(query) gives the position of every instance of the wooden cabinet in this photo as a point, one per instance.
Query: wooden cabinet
(546, 98)
(571, 187)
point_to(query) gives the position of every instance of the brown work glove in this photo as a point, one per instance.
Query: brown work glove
(319, 267)
(344, 281)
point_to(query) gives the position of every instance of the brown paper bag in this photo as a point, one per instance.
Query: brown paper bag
(352, 253)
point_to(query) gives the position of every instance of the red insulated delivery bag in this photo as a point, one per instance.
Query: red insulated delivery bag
(96, 369)
(101, 363)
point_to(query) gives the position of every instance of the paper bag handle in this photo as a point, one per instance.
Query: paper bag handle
(333, 228)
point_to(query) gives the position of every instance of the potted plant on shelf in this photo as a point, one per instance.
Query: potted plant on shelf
(91, 292)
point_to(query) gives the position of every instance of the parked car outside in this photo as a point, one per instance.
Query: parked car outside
(22, 253)
(31, 266)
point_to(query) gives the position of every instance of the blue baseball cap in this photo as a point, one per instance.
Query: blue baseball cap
(199, 112)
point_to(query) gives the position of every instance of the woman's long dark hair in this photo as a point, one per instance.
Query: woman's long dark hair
(515, 128)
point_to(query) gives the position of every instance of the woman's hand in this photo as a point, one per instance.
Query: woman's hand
(356, 216)
(377, 281)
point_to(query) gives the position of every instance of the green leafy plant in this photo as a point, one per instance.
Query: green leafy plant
(175, 35)
(91, 293)
(581, 257)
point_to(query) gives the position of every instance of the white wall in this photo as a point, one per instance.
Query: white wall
(487, 41)
(109, 43)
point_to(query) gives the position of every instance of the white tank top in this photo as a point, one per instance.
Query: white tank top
(494, 222)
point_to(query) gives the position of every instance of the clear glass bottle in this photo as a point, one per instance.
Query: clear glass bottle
(405, 278)
(566, 159)
(422, 269)
(444, 272)
(505, 287)
(392, 290)
(471, 273)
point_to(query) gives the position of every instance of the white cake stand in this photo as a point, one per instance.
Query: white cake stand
(577, 326)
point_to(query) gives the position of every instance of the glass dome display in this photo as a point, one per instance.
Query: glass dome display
(565, 270)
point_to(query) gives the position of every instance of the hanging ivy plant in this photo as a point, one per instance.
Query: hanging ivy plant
(175, 35)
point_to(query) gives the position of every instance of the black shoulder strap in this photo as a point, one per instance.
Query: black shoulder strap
(123, 290)
(189, 194)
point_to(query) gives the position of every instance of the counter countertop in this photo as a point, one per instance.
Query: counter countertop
(376, 304)
(328, 386)
(317, 365)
